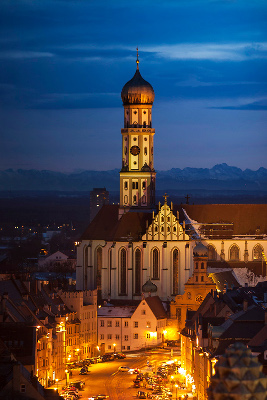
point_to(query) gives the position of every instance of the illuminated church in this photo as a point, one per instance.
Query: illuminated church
(136, 247)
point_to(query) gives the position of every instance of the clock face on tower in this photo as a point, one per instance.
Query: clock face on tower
(135, 150)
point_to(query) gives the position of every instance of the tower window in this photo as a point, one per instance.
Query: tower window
(144, 112)
(125, 185)
(135, 139)
(135, 162)
(145, 139)
(145, 151)
(202, 265)
(144, 185)
(135, 185)
(134, 199)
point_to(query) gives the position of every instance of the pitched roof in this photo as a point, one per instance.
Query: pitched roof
(247, 219)
(107, 226)
(156, 306)
(259, 338)
(224, 277)
(116, 312)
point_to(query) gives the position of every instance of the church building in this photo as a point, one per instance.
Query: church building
(136, 247)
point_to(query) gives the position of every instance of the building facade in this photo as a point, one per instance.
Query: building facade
(127, 245)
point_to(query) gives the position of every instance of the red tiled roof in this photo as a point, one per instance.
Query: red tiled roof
(259, 338)
(107, 226)
(156, 306)
(246, 218)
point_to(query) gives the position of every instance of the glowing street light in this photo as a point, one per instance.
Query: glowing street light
(67, 376)
(176, 387)
(114, 347)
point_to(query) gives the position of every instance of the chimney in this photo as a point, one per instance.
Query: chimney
(245, 305)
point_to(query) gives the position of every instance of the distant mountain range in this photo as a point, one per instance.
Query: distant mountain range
(220, 177)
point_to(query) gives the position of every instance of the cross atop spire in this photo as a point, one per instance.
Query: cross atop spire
(137, 59)
(165, 197)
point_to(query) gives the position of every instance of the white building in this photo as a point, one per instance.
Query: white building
(129, 328)
(128, 244)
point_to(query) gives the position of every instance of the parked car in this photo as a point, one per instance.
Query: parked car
(107, 357)
(119, 356)
(137, 384)
(123, 368)
(141, 395)
(77, 384)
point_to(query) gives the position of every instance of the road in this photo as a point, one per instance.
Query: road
(104, 378)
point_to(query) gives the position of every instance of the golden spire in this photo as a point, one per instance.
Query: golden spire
(165, 197)
(137, 60)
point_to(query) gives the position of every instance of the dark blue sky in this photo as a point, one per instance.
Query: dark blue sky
(63, 64)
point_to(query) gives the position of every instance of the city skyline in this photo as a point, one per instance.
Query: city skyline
(64, 63)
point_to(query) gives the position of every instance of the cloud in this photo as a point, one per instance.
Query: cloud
(60, 101)
(255, 106)
(17, 54)
(185, 51)
(210, 51)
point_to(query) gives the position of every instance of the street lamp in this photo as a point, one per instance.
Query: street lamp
(176, 387)
(66, 372)
(114, 348)
(57, 383)
(172, 381)
(78, 354)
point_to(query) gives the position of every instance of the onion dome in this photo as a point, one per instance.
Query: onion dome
(149, 287)
(238, 376)
(137, 90)
(200, 250)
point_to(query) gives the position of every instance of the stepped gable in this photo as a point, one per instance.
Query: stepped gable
(247, 219)
(238, 376)
(107, 226)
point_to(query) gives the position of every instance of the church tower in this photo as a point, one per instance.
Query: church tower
(137, 176)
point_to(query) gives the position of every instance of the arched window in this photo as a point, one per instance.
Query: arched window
(211, 252)
(98, 267)
(234, 253)
(155, 264)
(137, 272)
(257, 252)
(175, 260)
(123, 272)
